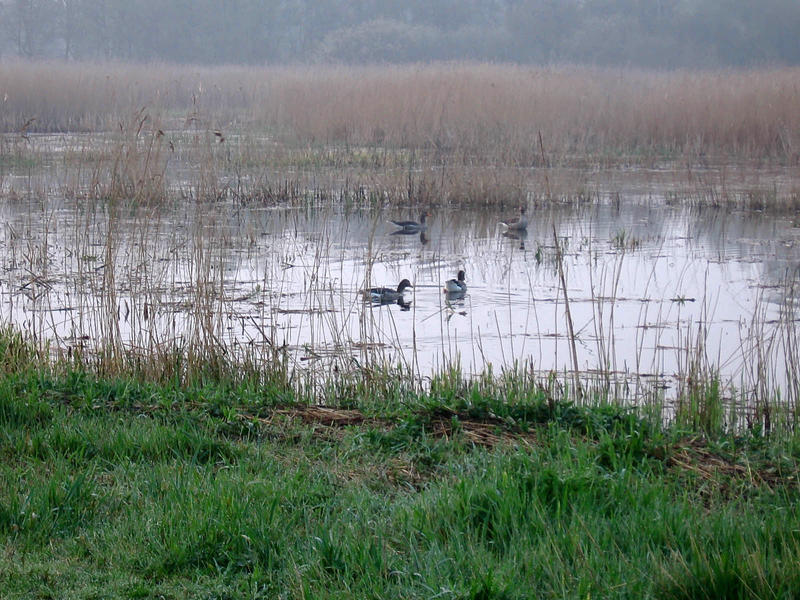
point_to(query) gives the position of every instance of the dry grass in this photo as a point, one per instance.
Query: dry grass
(475, 113)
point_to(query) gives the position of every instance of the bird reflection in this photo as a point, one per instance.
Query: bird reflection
(423, 239)
(455, 297)
(517, 234)
(386, 301)
(454, 304)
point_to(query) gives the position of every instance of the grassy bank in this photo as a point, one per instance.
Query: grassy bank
(234, 485)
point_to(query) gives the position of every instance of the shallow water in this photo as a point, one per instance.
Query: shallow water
(652, 289)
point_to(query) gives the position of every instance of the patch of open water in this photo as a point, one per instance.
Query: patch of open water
(652, 288)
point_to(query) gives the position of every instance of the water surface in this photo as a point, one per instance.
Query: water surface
(653, 290)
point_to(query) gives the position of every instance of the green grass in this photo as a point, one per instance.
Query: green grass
(218, 487)
(17, 162)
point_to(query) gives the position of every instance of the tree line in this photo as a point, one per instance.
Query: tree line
(644, 33)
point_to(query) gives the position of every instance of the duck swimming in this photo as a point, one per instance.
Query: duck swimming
(385, 295)
(519, 223)
(456, 286)
(412, 226)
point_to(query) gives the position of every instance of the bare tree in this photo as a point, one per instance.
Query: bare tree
(31, 24)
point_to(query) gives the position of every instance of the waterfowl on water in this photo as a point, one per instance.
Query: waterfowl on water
(456, 286)
(519, 223)
(411, 226)
(385, 295)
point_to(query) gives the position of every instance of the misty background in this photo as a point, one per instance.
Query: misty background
(643, 33)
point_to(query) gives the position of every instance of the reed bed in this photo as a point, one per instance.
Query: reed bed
(475, 113)
(428, 134)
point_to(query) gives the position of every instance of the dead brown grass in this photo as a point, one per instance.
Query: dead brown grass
(477, 113)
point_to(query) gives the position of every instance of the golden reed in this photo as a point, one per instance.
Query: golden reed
(496, 113)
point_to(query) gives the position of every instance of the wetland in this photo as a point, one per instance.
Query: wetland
(643, 280)
(197, 399)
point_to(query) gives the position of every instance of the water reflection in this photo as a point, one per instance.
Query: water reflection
(454, 299)
(423, 238)
(643, 281)
(401, 302)
(521, 235)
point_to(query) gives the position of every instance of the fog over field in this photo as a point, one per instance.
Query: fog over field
(642, 33)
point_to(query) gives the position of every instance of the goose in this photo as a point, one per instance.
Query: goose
(386, 295)
(519, 223)
(456, 286)
(411, 226)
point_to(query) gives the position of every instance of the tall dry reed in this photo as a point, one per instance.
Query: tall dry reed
(479, 112)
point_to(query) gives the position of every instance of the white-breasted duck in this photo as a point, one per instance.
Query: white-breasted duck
(455, 286)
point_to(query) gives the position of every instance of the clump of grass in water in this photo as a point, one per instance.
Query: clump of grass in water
(625, 241)
(18, 353)
(702, 407)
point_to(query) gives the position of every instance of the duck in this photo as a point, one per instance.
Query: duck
(411, 226)
(386, 295)
(519, 223)
(456, 286)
